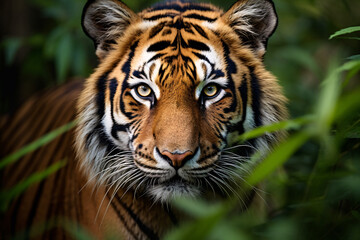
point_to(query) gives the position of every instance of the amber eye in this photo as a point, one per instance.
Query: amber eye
(143, 91)
(210, 90)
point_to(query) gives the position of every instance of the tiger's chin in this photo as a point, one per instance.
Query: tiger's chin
(173, 189)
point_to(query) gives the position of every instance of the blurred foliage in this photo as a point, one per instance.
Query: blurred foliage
(7, 195)
(316, 194)
(60, 43)
(320, 199)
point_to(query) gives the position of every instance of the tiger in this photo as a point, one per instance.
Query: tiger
(158, 119)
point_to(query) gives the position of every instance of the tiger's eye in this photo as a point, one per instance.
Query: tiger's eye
(143, 90)
(210, 90)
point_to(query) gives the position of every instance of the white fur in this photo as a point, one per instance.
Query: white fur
(244, 13)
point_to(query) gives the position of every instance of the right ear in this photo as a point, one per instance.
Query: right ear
(104, 21)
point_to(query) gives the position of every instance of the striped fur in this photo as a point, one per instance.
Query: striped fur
(176, 85)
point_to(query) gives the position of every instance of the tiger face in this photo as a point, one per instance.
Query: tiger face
(176, 85)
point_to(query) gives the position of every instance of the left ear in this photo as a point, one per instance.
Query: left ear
(254, 21)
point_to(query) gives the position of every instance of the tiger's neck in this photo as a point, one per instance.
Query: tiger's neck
(130, 215)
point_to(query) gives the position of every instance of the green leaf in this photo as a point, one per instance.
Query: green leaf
(349, 66)
(77, 231)
(283, 125)
(52, 42)
(277, 157)
(63, 57)
(354, 57)
(196, 208)
(302, 57)
(11, 47)
(325, 110)
(199, 229)
(7, 195)
(36, 144)
(351, 38)
(345, 31)
(347, 104)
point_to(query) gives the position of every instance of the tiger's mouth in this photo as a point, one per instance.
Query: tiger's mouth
(173, 188)
(182, 182)
(176, 181)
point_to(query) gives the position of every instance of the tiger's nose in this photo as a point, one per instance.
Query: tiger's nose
(176, 159)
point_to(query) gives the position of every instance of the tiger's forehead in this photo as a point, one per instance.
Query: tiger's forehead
(200, 11)
(180, 45)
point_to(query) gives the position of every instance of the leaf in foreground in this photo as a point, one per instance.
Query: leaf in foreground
(7, 195)
(345, 31)
(277, 157)
(36, 144)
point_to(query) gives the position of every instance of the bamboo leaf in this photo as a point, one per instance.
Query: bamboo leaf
(63, 57)
(325, 109)
(345, 31)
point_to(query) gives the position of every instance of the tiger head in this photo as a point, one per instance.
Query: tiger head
(176, 85)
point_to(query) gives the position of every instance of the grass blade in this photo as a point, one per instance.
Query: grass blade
(36, 144)
(277, 157)
(345, 31)
(283, 125)
(7, 195)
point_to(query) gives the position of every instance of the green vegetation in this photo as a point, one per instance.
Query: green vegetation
(320, 199)
(312, 178)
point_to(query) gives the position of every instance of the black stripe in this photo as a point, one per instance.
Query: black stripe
(145, 229)
(202, 57)
(146, 166)
(176, 7)
(122, 219)
(215, 74)
(200, 31)
(100, 97)
(156, 17)
(244, 96)
(198, 45)
(172, 216)
(256, 96)
(157, 56)
(35, 205)
(100, 103)
(239, 126)
(158, 46)
(155, 30)
(126, 68)
(14, 216)
(59, 178)
(29, 169)
(200, 17)
(116, 127)
(230, 69)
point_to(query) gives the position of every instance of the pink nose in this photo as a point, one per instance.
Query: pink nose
(177, 159)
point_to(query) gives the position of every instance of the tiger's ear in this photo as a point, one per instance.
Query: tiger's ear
(254, 21)
(104, 21)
